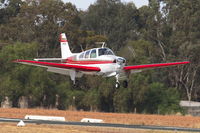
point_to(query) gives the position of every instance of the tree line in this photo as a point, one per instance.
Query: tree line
(163, 31)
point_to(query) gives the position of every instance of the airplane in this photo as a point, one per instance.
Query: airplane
(97, 61)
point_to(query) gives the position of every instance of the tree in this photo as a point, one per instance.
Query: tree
(113, 19)
(161, 100)
(165, 30)
(122, 100)
(14, 77)
(184, 43)
(152, 28)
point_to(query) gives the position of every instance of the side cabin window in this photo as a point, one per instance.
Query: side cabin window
(93, 54)
(81, 55)
(87, 54)
(105, 51)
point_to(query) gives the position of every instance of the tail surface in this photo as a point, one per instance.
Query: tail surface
(65, 51)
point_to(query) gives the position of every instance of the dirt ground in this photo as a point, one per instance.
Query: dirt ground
(122, 118)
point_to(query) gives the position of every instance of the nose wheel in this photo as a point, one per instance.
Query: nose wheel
(117, 85)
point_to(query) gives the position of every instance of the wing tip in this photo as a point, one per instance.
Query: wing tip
(183, 62)
(186, 62)
(155, 65)
(16, 61)
(20, 61)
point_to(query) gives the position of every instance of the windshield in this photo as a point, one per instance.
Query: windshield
(105, 51)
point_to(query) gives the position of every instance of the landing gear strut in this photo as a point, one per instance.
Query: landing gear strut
(117, 84)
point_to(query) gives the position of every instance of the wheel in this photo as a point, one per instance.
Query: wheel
(117, 85)
(125, 84)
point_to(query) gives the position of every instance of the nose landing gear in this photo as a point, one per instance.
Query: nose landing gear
(117, 84)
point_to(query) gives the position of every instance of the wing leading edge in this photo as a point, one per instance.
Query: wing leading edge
(149, 66)
(58, 65)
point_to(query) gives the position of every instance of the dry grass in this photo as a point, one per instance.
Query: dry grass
(32, 128)
(163, 120)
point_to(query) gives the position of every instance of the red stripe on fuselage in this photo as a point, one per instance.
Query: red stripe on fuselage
(88, 62)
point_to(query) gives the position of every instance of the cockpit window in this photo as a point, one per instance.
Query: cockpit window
(81, 55)
(87, 54)
(93, 54)
(105, 51)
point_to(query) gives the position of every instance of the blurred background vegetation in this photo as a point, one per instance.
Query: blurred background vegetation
(163, 31)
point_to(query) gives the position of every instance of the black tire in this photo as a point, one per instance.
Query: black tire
(125, 83)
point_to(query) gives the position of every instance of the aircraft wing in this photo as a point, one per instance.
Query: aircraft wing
(58, 65)
(151, 66)
(48, 59)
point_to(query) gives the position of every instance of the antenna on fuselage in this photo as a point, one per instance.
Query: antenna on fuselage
(81, 47)
(103, 44)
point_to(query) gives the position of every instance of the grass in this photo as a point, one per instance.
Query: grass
(122, 118)
(43, 128)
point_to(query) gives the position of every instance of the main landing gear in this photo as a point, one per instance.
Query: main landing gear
(124, 84)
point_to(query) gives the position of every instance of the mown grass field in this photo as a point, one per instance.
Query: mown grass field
(122, 118)
(33, 128)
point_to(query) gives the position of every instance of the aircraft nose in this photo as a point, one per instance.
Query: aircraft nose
(120, 60)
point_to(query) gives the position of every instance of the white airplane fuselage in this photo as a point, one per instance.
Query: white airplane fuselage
(109, 64)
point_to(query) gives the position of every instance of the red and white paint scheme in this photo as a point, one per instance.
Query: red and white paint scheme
(97, 61)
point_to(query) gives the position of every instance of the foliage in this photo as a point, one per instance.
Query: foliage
(163, 31)
(161, 100)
